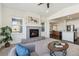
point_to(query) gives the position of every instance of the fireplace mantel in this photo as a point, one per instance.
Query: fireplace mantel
(31, 25)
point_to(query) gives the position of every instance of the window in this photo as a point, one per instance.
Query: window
(43, 26)
(16, 25)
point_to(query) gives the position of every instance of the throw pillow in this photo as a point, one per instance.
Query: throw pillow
(22, 51)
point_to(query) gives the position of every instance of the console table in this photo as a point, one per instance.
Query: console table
(56, 35)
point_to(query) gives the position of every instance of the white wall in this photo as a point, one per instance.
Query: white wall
(43, 20)
(76, 23)
(0, 21)
(8, 13)
(46, 32)
(0, 15)
(47, 27)
(61, 25)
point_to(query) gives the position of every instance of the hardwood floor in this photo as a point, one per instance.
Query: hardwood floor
(5, 51)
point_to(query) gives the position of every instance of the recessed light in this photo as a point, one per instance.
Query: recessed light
(68, 17)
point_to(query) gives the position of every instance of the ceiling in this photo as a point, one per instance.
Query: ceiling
(66, 18)
(40, 10)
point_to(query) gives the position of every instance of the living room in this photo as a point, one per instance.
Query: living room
(31, 27)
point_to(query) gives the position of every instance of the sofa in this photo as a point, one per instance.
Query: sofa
(24, 41)
(30, 47)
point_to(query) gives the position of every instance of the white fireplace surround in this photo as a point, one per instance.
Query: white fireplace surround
(32, 27)
(18, 37)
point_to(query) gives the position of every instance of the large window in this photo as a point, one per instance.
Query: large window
(16, 25)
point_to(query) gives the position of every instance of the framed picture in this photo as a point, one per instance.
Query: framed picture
(33, 20)
(68, 27)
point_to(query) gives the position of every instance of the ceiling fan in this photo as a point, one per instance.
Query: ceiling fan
(47, 4)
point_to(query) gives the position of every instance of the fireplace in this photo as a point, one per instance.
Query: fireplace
(34, 33)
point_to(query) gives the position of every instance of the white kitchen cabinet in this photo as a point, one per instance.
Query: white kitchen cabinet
(68, 36)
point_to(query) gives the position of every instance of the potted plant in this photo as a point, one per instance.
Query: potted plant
(5, 32)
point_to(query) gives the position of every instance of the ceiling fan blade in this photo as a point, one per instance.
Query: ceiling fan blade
(40, 3)
(47, 5)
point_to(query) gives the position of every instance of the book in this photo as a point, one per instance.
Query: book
(58, 46)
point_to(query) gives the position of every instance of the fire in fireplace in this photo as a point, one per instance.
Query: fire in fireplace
(34, 33)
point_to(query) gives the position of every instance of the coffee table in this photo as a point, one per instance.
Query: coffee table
(53, 49)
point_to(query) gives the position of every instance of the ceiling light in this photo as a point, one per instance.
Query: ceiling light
(68, 17)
